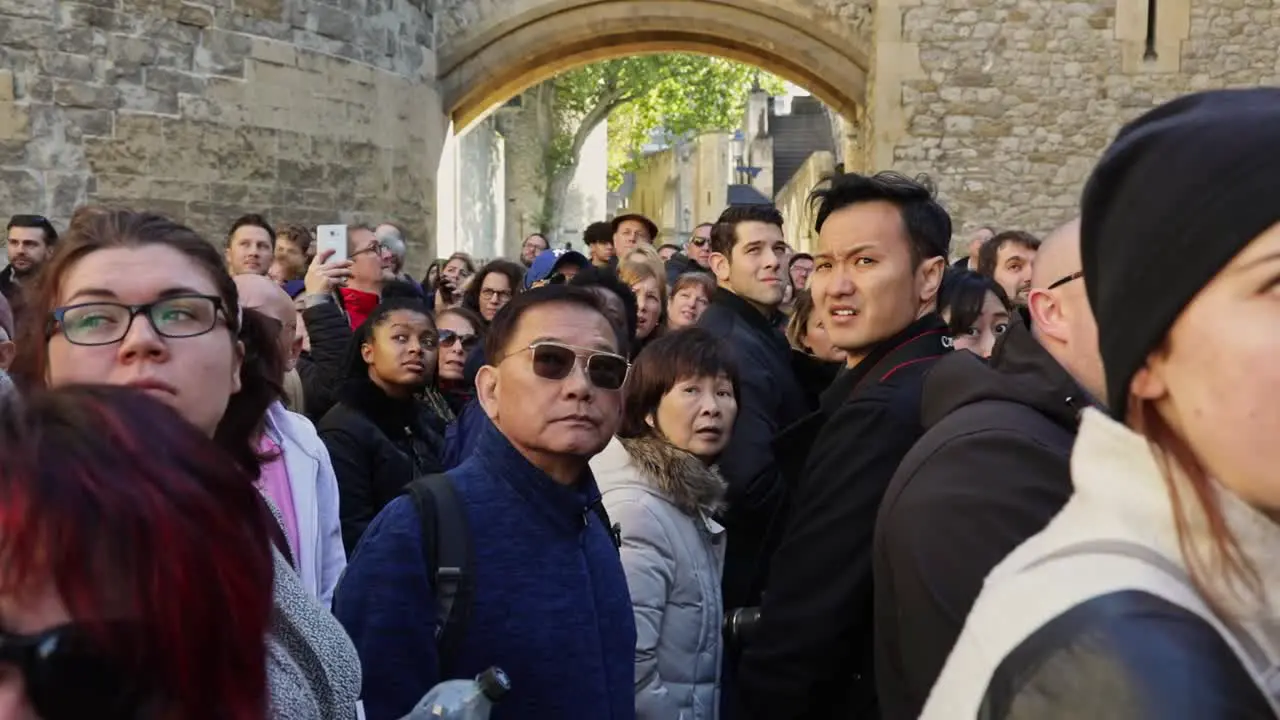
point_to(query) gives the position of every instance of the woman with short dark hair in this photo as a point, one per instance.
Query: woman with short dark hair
(660, 485)
(976, 309)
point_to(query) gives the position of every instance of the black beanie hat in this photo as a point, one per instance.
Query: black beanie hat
(1181, 190)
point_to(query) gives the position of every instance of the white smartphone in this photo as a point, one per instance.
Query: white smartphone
(332, 237)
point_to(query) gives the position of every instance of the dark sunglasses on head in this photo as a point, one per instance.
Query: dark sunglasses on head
(67, 677)
(554, 361)
(449, 337)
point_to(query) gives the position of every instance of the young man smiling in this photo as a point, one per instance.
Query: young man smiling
(882, 245)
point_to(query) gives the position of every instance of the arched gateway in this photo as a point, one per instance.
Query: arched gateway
(319, 110)
(486, 57)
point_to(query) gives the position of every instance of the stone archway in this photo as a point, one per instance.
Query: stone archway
(489, 50)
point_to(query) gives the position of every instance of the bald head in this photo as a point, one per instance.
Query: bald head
(261, 293)
(1059, 255)
(1061, 318)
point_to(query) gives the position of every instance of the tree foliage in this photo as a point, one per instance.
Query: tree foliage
(677, 94)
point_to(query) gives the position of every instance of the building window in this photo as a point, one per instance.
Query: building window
(1150, 51)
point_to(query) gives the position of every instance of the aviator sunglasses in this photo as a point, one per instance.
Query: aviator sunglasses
(67, 677)
(554, 361)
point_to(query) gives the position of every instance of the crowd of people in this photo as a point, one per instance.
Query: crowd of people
(713, 480)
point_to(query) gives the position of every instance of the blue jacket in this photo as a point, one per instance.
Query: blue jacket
(461, 435)
(551, 604)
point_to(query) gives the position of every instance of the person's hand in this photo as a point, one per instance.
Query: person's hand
(323, 276)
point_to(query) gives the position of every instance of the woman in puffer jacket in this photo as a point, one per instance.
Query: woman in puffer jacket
(1153, 594)
(660, 488)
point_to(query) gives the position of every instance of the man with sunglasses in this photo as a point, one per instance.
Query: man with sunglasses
(696, 256)
(550, 604)
(990, 471)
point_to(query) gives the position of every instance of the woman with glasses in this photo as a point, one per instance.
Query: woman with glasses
(379, 435)
(493, 287)
(135, 583)
(461, 332)
(660, 485)
(138, 300)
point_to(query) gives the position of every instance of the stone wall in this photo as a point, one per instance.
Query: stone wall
(304, 110)
(682, 187)
(793, 201)
(1017, 100)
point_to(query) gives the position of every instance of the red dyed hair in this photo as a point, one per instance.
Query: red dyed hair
(135, 515)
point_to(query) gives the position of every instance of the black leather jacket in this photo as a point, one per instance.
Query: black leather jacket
(1127, 655)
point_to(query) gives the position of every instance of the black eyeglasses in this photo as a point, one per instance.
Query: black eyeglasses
(1063, 281)
(554, 361)
(449, 337)
(104, 323)
(373, 247)
(68, 677)
(697, 241)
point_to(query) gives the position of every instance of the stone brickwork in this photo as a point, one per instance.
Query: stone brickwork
(304, 110)
(1019, 98)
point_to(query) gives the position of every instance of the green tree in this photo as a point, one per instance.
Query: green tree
(680, 94)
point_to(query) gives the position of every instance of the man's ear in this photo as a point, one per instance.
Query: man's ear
(930, 276)
(720, 266)
(1046, 314)
(1148, 383)
(7, 351)
(488, 391)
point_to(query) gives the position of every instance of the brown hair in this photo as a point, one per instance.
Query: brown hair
(990, 251)
(298, 235)
(798, 324)
(471, 316)
(262, 368)
(699, 280)
(1224, 559)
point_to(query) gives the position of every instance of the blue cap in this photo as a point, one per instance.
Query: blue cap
(548, 261)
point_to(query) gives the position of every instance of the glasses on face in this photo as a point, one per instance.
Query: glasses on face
(554, 361)
(1064, 280)
(697, 241)
(449, 337)
(104, 323)
(491, 294)
(66, 677)
(374, 247)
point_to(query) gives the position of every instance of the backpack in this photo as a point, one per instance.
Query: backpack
(448, 550)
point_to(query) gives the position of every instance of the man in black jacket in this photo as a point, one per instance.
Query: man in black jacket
(990, 472)
(882, 246)
(748, 256)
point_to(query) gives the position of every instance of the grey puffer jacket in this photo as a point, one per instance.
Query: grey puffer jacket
(673, 555)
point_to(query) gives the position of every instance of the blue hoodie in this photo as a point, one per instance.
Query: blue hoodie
(551, 604)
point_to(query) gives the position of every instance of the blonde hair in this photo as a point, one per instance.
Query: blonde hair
(651, 258)
(633, 272)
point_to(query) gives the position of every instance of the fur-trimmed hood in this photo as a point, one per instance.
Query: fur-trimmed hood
(663, 469)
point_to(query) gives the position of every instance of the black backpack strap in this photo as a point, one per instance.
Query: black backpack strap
(446, 545)
(614, 530)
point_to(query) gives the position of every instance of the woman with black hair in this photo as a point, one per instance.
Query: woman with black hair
(976, 309)
(379, 435)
